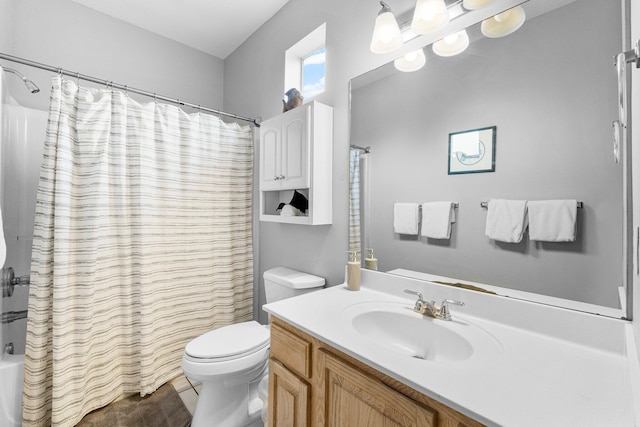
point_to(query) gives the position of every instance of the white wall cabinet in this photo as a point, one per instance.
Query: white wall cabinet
(284, 151)
(296, 149)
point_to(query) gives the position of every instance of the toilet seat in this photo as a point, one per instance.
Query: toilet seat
(228, 342)
(241, 347)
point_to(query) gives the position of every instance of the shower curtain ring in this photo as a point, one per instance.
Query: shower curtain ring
(59, 71)
(78, 78)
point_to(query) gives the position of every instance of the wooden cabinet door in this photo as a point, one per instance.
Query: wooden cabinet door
(288, 398)
(270, 155)
(296, 141)
(353, 398)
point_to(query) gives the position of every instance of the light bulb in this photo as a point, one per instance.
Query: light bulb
(386, 33)
(411, 56)
(452, 44)
(501, 17)
(411, 61)
(451, 38)
(475, 4)
(503, 23)
(429, 16)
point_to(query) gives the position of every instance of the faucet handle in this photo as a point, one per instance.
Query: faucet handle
(409, 291)
(445, 314)
(420, 305)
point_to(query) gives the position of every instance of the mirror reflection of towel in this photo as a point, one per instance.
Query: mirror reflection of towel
(553, 220)
(506, 220)
(405, 218)
(437, 218)
(3, 245)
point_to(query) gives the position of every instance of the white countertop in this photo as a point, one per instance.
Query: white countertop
(556, 367)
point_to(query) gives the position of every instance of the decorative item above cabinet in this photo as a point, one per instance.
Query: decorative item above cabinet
(296, 149)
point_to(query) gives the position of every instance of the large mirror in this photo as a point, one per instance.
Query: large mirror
(549, 89)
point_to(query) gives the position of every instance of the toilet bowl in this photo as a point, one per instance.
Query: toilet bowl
(231, 361)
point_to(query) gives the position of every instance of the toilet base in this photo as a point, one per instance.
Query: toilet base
(228, 406)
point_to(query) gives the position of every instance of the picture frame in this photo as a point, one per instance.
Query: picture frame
(472, 151)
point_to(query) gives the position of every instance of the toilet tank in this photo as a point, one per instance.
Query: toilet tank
(281, 283)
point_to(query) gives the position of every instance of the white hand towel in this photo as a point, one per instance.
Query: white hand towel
(405, 218)
(3, 245)
(437, 218)
(553, 220)
(506, 220)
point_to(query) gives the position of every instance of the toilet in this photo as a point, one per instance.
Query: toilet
(231, 361)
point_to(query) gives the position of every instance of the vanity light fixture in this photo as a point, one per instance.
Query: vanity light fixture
(386, 32)
(452, 44)
(429, 16)
(475, 4)
(503, 23)
(411, 61)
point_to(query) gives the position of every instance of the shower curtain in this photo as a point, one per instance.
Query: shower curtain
(142, 241)
(354, 201)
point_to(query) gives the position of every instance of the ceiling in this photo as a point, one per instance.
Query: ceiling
(216, 27)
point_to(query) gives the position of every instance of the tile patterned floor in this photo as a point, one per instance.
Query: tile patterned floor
(186, 392)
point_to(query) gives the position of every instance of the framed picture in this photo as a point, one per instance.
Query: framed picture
(472, 151)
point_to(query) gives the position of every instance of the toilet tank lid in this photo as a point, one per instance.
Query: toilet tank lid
(293, 279)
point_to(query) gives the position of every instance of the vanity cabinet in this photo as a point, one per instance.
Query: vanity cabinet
(296, 154)
(314, 384)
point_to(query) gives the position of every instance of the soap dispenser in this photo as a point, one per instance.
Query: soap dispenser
(370, 262)
(353, 272)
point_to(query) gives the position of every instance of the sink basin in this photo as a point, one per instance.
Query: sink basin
(396, 327)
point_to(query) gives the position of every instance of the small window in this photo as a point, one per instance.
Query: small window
(313, 74)
(305, 65)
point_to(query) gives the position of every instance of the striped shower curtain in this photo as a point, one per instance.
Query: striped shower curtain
(142, 241)
(354, 201)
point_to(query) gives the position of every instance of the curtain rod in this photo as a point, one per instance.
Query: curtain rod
(365, 149)
(125, 88)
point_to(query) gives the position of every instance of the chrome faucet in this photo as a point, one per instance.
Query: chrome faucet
(429, 308)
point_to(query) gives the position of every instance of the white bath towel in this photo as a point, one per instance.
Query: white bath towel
(405, 218)
(553, 220)
(437, 218)
(506, 220)
(3, 245)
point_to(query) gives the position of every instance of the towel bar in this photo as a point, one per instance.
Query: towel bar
(486, 204)
(455, 206)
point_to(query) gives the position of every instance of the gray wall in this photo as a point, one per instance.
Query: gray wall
(254, 76)
(550, 90)
(64, 34)
(254, 84)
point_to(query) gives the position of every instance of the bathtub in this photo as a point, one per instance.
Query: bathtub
(12, 374)
(22, 132)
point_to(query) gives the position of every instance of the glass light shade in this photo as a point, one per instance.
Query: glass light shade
(411, 61)
(475, 4)
(452, 44)
(503, 23)
(386, 33)
(429, 16)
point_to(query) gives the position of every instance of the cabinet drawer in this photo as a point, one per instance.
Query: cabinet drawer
(294, 352)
